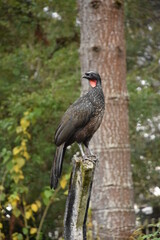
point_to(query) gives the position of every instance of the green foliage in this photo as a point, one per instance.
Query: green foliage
(142, 34)
(138, 235)
(39, 69)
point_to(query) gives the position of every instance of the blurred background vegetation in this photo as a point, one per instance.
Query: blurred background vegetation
(39, 79)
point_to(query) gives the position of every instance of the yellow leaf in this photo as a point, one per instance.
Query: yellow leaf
(16, 178)
(14, 203)
(26, 155)
(34, 207)
(2, 236)
(33, 230)
(24, 123)
(15, 238)
(23, 143)
(17, 198)
(16, 150)
(21, 176)
(20, 162)
(13, 200)
(1, 225)
(28, 135)
(38, 203)
(28, 214)
(63, 182)
(1, 188)
(26, 113)
(16, 159)
(16, 168)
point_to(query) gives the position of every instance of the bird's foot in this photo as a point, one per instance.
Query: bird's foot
(94, 156)
(91, 158)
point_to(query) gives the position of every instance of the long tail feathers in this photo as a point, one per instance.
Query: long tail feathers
(57, 166)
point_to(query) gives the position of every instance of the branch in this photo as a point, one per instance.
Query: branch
(45, 213)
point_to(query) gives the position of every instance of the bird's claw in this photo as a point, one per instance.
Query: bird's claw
(91, 158)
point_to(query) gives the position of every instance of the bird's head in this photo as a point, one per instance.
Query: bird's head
(93, 77)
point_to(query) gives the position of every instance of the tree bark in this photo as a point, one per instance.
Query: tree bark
(103, 49)
(78, 199)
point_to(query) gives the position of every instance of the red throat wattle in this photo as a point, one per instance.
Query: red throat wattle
(93, 82)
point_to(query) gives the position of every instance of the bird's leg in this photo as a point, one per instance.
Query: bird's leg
(89, 152)
(81, 150)
(87, 157)
(90, 156)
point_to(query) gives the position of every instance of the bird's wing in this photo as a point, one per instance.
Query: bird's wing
(77, 116)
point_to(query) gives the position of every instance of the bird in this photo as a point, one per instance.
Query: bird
(79, 123)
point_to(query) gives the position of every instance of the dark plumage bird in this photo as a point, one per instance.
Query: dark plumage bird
(79, 123)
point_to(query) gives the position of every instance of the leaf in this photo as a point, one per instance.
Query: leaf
(23, 144)
(9, 165)
(34, 207)
(16, 212)
(46, 201)
(13, 199)
(16, 150)
(33, 230)
(21, 176)
(2, 196)
(26, 155)
(1, 225)
(46, 196)
(38, 203)
(28, 214)
(2, 236)
(20, 162)
(1, 188)
(66, 192)
(18, 129)
(5, 155)
(26, 113)
(24, 123)
(14, 203)
(63, 182)
(28, 135)
(48, 193)
(20, 236)
(16, 168)
(16, 178)
(25, 231)
(15, 236)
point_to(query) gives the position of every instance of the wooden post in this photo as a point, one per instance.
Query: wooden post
(78, 198)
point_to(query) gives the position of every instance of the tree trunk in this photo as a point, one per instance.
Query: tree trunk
(103, 49)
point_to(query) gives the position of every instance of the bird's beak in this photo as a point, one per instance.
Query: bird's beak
(85, 76)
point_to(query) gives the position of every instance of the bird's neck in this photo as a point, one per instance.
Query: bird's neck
(96, 94)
